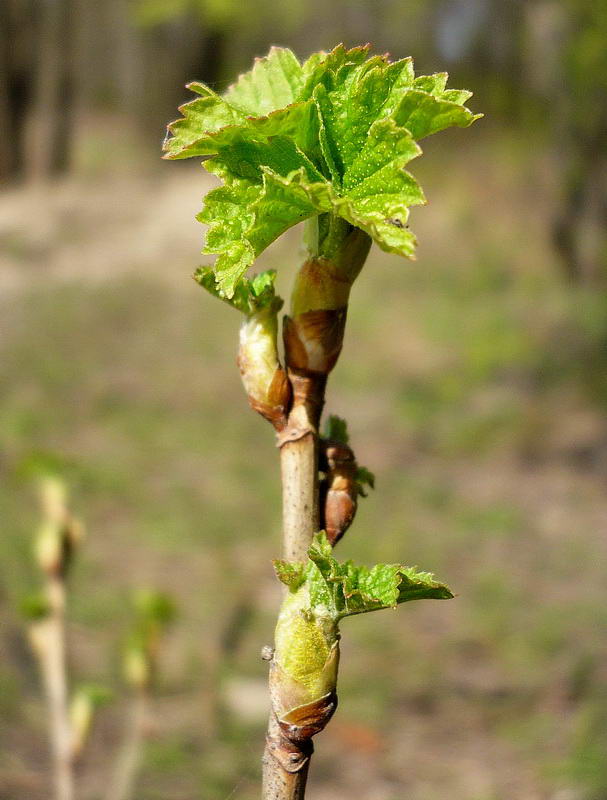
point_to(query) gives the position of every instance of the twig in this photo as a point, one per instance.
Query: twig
(122, 784)
(59, 534)
(48, 640)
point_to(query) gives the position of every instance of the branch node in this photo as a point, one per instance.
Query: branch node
(291, 757)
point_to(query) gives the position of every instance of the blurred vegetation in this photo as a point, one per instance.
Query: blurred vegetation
(539, 67)
(474, 384)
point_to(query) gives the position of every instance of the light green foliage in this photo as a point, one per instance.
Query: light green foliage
(364, 477)
(35, 606)
(153, 608)
(336, 429)
(338, 590)
(250, 296)
(154, 612)
(291, 141)
(216, 14)
(96, 694)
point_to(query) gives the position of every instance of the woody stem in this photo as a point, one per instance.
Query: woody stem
(285, 765)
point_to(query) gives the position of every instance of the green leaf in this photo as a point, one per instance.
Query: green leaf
(201, 117)
(336, 429)
(96, 694)
(331, 136)
(251, 296)
(343, 589)
(290, 573)
(423, 114)
(257, 206)
(364, 478)
(154, 607)
(274, 82)
(35, 606)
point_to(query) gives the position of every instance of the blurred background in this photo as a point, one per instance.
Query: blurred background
(474, 382)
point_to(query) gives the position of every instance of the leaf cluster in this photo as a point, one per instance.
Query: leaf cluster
(292, 141)
(251, 295)
(339, 590)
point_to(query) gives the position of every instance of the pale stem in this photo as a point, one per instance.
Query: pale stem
(122, 785)
(299, 473)
(49, 641)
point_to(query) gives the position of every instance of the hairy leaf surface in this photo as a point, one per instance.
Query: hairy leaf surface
(340, 590)
(330, 136)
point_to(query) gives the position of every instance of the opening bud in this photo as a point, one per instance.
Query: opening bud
(265, 382)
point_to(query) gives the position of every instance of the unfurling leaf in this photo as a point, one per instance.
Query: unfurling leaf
(354, 590)
(342, 589)
(292, 141)
(321, 593)
(364, 478)
(336, 429)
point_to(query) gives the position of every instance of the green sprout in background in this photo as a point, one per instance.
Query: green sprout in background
(71, 714)
(328, 143)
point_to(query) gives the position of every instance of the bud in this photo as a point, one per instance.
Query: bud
(60, 532)
(48, 548)
(303, 674)
(313, 335)
(53, 499)
(265, 381)
(266, 384)
(86, 700)
(137, 667)
(154, 612)
(339, 489)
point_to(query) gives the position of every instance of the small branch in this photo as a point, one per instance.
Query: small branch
(57, 538)
(285, 770)
(48, 640)
(299, 466)
(122, 784)
(286, 764)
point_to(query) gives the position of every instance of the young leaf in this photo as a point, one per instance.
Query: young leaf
(289, 573)
(274, 82)
(336, 429)
(250, 296)
(339, 589)
(364, 478)
(332, 136)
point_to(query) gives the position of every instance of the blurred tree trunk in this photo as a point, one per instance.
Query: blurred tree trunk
(185, 51)
(208, 63)
(579, 88)
(16, 47)
(579, 229)
(7, 155)
(51, 115)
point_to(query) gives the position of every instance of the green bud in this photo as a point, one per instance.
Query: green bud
(306, 649)
(303, 676)
(48, 547)
(137, 667)
(314, 333)
(53, 498)
(84, 703)
(263, 378)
